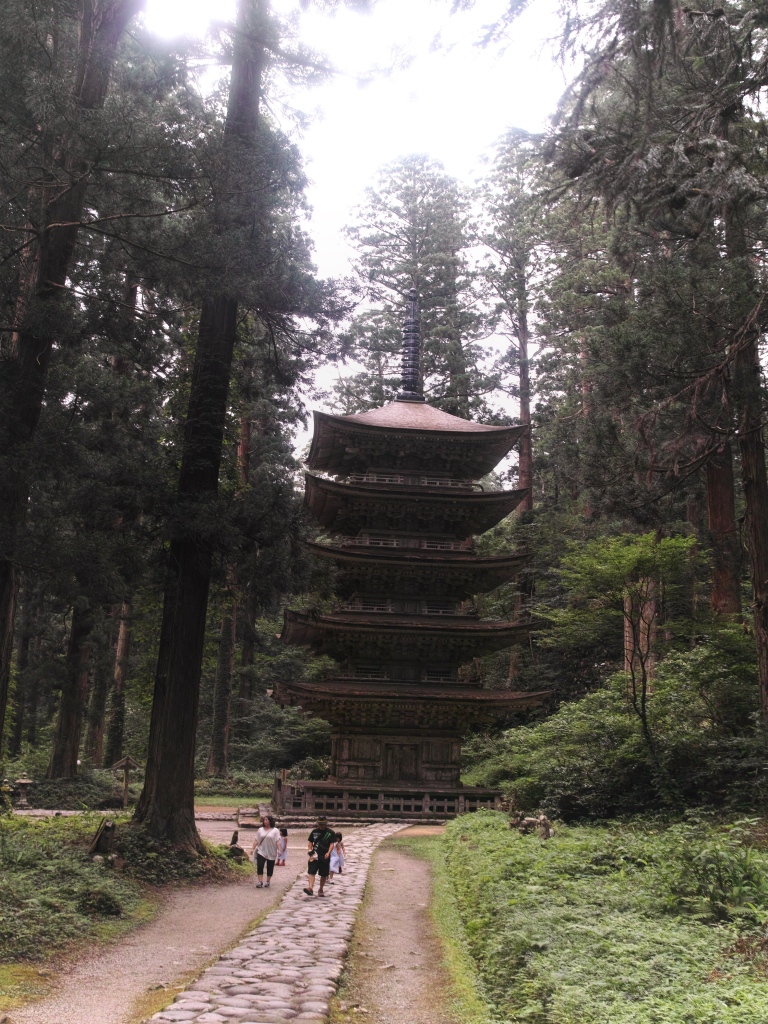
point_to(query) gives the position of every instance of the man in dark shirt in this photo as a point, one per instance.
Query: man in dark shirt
(319, 846)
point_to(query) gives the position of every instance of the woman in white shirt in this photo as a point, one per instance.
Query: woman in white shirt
(265, 849)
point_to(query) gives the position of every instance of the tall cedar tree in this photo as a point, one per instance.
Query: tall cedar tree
(166, 806)
(79, 50)
(510, 209)
(623, 138)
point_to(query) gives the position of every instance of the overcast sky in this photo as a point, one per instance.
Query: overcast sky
(452, 101)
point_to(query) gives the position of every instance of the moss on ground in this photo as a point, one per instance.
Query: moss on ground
(21, 982)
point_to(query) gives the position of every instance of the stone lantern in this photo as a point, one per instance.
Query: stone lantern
(23, 785)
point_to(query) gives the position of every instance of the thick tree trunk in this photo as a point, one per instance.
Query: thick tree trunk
(21, 696)
(63, 201)
(166, 806)
(724, 537)
(97, 705)
(747, 394)
(525, 466)
(74, 694)
(218, 757)
(754, 482)
(116, 715)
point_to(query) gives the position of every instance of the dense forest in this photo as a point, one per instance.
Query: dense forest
(162, 333)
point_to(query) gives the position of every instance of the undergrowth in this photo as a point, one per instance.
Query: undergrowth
(52, 894)
(634, 923)
(243, 786)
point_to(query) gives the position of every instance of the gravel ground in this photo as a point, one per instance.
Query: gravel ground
(192, 928)
(395, 969)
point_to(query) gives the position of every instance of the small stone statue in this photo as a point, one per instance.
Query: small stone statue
(545, 827)
(526, 825)
(235, 851)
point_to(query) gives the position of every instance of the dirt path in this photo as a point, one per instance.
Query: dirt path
(395, 967)
(128, 981)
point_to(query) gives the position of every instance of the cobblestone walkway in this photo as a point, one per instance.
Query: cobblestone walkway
(288, 968)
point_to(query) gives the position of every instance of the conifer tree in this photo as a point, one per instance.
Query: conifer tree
(510, 210)
(69, 55)
(412, 232)
(686, 182)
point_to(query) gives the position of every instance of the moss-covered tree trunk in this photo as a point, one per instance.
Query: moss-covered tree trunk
(21, 695)
(725, 598)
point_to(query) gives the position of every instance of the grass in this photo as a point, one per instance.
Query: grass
(625, 923)
(251, 800)
(466, 998)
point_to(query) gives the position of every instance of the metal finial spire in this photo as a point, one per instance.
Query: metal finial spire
(411, 390)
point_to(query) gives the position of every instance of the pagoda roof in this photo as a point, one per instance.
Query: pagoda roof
(405, 704)
(349, 508)
(454, 638)
(408, 435)
(415, 571)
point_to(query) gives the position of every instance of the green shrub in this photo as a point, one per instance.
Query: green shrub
(632, 923)
(590, 758)
(99, 903)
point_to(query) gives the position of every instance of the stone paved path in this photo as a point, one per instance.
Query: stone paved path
(286, 969)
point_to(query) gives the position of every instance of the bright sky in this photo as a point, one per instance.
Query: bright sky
(451, 101)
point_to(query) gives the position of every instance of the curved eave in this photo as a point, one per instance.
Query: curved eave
(458, 571)
(421, 636)
(344, 444)
(349, 508)
(375, 691)
(425, 707)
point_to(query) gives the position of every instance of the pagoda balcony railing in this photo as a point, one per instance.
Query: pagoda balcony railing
(413, 480)
(383, 674)
(401, 607)
(385, 540)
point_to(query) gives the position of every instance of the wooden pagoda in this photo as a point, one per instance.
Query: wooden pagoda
(396, 491)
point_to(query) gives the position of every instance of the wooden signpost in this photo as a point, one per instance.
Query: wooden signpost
(125, 764)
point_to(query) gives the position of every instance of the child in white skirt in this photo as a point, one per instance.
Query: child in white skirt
(337, 856)
(282, 848)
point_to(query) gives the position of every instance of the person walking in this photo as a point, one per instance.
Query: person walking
(265, 848)
(338, 855)
(319, 845)
(282, 848)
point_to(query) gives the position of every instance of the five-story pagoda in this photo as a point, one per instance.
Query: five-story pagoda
(401, 503)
